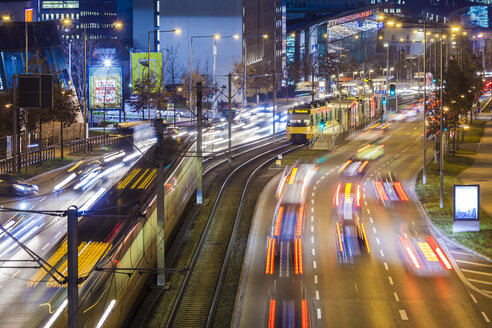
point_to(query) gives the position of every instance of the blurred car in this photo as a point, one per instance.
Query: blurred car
(80, 176)
(10, 185)
(423, 255)
(354, 167)
(389, 188)
(370, 151)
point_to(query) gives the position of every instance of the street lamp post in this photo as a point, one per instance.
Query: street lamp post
(441, 150)
(424, 170)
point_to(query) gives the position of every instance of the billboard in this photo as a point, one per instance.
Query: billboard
(466, 202)
(105, 87)
(142, 62)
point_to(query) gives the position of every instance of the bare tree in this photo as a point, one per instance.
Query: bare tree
(173, 68)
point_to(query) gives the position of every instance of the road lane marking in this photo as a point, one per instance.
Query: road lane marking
(45, 246)
(382, 254)
(386, 266)
(313, 252)
(314, 188)
(312, 194)
(318, 310)
(315, 279)
(365, 202)
(374, 229)
(58, 234)
(377, 240)
(473, 298)
(403, 315)
(317, 295)
(314, 265)
(312, 218)
(312, 209)
(30, 208)
(396, 296)
(15, 274)
(317, 182)
(356, 288)
(390, 280)
(312, 228)
(370, 219)
(474, 263)
(312, 201)
(368, 212)
(459, 253)
(485, 317)
(42, 199)
(477, 272)
(312, 239)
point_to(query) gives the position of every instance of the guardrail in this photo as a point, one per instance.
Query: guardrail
(32, 157)
(78, 146)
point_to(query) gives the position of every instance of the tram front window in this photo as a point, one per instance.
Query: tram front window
(298, 120)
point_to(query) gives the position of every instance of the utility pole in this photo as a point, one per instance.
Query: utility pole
(14, 136)
(199, 94)
(229, 124)
(86, 146)
(424, 175)
(73, 267)
(441, 151)
(274, 76)
(161, 254)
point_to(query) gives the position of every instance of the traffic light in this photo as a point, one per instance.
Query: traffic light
(434, 80)
(322, 124)
(384, 101)
(392, 89)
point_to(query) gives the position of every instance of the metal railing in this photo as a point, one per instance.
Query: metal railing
(32, 157)
(78, 146)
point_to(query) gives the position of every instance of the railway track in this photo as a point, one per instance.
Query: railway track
(196, 302)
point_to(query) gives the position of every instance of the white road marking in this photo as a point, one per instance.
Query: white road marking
(317, 295)
(314, 265)
(45, 246)
(396, 296)
(382, 254)
(390, 280)
(42, 199)
(318, 310)
(30, 208)
(312, 194)
(312, 228)
(356, 288)
(477, 272)
(473, 298)
(474, 263)
(317, 182)
(58, 234)
(459, 253)
(374, 229)
(403, 314)
(313, 252)
(377, 240)
(314, 188)
(370, 219)
(364, 195)
(485, 317)
(312, 209)
(312, 240)
(312, 218)
(365, 202)
(368, 211)
(312, 201)
(15, 274)
(315, 279)
(386, 266)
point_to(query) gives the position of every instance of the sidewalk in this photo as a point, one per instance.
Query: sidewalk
(481, 170)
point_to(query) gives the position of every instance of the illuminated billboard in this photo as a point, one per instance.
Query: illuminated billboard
(466, 202)
(105, 87)
(142, 62)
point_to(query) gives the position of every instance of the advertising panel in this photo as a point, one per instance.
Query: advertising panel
(105, 87)
(142, 62)
(466, 202)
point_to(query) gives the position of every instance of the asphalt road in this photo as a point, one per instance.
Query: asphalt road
(374, 289)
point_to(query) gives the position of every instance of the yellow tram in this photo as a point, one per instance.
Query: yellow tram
(304, 122)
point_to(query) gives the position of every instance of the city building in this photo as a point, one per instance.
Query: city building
(97, 17)
(15, 11)
(43, 42)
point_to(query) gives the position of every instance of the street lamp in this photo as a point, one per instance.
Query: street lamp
(264, 36)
